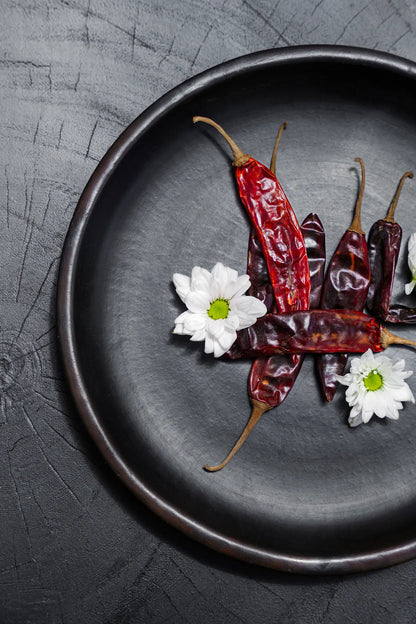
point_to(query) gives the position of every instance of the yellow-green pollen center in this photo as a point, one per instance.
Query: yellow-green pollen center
(373, 381)
(219, 309)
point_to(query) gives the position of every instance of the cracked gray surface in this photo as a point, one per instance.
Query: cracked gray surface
(76, 547)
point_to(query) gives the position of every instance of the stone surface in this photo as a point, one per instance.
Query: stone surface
(76, 547)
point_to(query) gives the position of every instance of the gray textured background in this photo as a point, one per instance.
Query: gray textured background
(76, 547)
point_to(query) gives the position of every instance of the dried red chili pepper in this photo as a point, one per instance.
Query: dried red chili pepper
(271, 379)
(275, 225)
(257, 270)
(270, 212)
(313, 331)
(345, 287)
(384, 241)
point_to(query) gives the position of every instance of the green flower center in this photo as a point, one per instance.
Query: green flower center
(219, 309)
(373, 381)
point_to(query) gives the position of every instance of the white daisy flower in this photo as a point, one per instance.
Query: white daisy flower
(217, 306)
(375, 386)
(412, 264)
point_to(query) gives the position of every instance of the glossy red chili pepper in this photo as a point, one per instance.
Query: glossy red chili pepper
(384, 241)
(313, 331)
(271, 379)
(345, 286)
(276, 227)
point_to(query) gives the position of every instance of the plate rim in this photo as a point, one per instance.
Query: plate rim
(198, 531)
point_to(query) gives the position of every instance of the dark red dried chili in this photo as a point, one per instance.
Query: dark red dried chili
(314, 237)
(345, 287)
(384, 241)
(313, 331)
(271, 379)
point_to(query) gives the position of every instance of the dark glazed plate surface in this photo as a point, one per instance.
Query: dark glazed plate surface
(305, 493)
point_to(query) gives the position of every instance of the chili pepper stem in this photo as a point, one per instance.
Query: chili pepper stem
(276, 145)
(239, 157)
(258, 410)
(356, 222)
(390, 214)
(387, 338)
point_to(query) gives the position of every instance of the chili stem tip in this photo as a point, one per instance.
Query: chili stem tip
(392, 208)
(276, 145)
(240, 158)
(258, 410)
(356, 221)
(387, 338)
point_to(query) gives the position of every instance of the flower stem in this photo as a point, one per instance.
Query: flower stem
(239, 157)
(258, 410)
(390, 214)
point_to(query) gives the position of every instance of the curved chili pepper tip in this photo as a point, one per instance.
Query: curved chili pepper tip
(390, 213)
(276, 145)
(258, 410)
(387, 338)
(356, 222)
(240, 158)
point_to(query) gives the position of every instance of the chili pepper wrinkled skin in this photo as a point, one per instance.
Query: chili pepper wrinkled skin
(308, 331)
(271, 379)
(278, 232)
(348, 274)
(384, 241)
(345, 287)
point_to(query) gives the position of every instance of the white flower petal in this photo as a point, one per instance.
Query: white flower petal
(178, 329)
(218, 350)
(248, 309)
(232, 321)
(215, 290)
(180, 324)
(197, 302)
(209, 345)
(411, 246)
(200, 279)
(199, 335)
(194, 322)
(220, 276)
(355, 419)
(227, 338)
(408, 288)
(215, 328)
(237, 287)
(345, 380)
(182, 285)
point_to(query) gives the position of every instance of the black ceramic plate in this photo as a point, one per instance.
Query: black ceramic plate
(306, 493)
